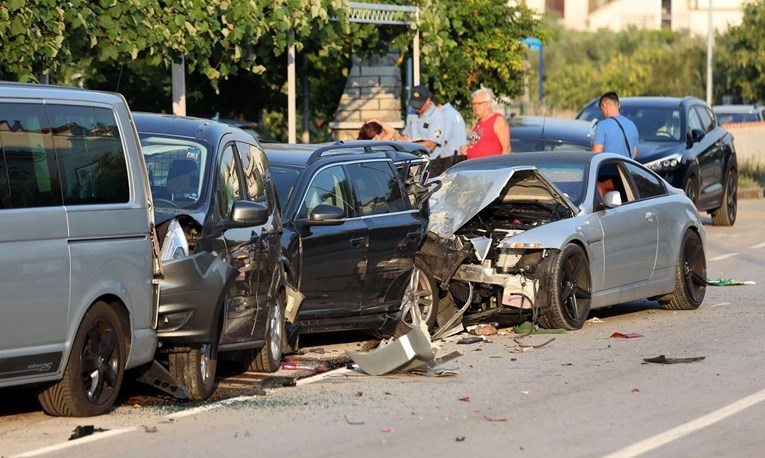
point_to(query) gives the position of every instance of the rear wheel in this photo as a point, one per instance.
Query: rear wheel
(569, 288)
(422, 293)
(269, 358)
(690, 275)
(726, 214)
(94, 372)
(195, 369)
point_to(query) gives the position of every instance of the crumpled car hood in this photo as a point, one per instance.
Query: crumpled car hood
(465, 193)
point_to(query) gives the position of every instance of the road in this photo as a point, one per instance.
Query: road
(585, 394)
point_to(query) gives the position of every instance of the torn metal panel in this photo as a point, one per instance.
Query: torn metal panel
(294, 299)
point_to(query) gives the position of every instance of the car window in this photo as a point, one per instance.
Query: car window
(228, 188)
(694, 122)
(655, 124)
(611, 178)
(255, 173)
(648, 185)
(706, 118)
(329, 186)
(569, 178)
(377, 188)
(284, 179)
(175, 167)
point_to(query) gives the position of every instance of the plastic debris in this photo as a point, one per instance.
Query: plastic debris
(465, 399)
(386, 430)
(85, 430)
(347, 420)
(460, 439)
(485, 330)
(629, 335)
(150, 429)
(729, 282)
(527, 327)
(636, 390)
(494, 420)
(661, 359)
(595, 320)
(471, 340)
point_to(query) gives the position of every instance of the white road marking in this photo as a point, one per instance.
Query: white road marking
(720, 304)
(692, 426)
(723, 256)
(205, 408)
(759, 245)
(73, 443)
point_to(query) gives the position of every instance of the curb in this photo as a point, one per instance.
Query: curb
(752, 193)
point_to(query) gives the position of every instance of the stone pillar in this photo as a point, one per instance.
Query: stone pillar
(373, 90)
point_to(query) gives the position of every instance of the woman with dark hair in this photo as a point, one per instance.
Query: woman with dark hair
(374, 129)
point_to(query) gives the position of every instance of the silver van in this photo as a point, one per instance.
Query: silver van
(78, 300)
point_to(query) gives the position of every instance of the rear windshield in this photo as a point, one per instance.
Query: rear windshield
(285, 179)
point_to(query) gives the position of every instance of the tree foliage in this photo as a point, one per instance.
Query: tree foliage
(582, 65)
(740, 56)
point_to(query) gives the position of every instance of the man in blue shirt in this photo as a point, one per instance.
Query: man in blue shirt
(615, 133)
(426, 124)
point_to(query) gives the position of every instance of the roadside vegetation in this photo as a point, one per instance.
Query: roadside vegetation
(751, 174)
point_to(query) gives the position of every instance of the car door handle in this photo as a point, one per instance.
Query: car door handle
(357, 241)
(649, 216)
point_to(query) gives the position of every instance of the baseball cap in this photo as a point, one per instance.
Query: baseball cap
(420, 94)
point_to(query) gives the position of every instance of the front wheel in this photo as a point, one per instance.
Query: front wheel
(690, 275)
(569, 288)
(195, 369)
(269, 358)
(94, 372)
(422, 292)
(726, 214)
(692, 189)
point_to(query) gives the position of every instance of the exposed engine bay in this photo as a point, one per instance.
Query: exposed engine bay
(476, 263)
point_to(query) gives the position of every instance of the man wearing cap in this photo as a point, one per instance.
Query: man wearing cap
(426, 124)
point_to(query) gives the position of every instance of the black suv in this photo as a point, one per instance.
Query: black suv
(355, 215)
(681, 140)
(219, 226)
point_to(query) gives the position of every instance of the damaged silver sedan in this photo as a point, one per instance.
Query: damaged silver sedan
(549, 236)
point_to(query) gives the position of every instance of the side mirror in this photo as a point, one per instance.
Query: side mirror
(612, 199)
(696, 136)
(326, 215)
(247, 213)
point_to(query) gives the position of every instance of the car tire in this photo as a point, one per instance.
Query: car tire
(93, 375)
(269, 357)
(690, 275)
(422, 291)
(569, 286)
(726, 214)
(691, 189)
(195, 369)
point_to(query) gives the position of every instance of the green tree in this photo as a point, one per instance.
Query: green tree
(740, 56)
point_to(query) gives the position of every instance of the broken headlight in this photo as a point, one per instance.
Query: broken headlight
(175, 245)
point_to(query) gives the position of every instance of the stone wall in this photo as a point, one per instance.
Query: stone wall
(373, 90)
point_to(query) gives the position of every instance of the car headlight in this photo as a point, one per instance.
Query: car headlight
(175, 245)
(666, 163)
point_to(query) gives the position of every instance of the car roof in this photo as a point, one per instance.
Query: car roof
(525, 159)
(300, 155)
(182, 126)
(737, 108)
(554, 128)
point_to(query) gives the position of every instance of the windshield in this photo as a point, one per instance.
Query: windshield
(284, 179)
(175, 168)
(568, 178)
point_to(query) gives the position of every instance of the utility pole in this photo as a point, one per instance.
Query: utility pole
(710, 42)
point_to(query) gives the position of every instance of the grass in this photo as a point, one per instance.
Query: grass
(751, 174)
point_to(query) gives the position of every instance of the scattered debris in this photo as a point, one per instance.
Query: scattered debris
(413, 351)
(485, 330)
(661, 359)
(636, 390)
(386, 430)
(595, 320)
(629, 335)
(719, 305)
(527, 391)
(277, 381)
(85, 430)
(460, 439)
(347, 420)
(471, 340)
(523, 345)
(150, 429)
(729, 282)
(495, 420)
(465, 399)
(527, 327)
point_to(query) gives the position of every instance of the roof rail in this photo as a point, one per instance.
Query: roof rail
(368, 147)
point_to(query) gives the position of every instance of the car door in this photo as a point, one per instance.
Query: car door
(266, 238)
(333, 261)
(241, 249)
(709, 154)
(395, 233)
(630, 231)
